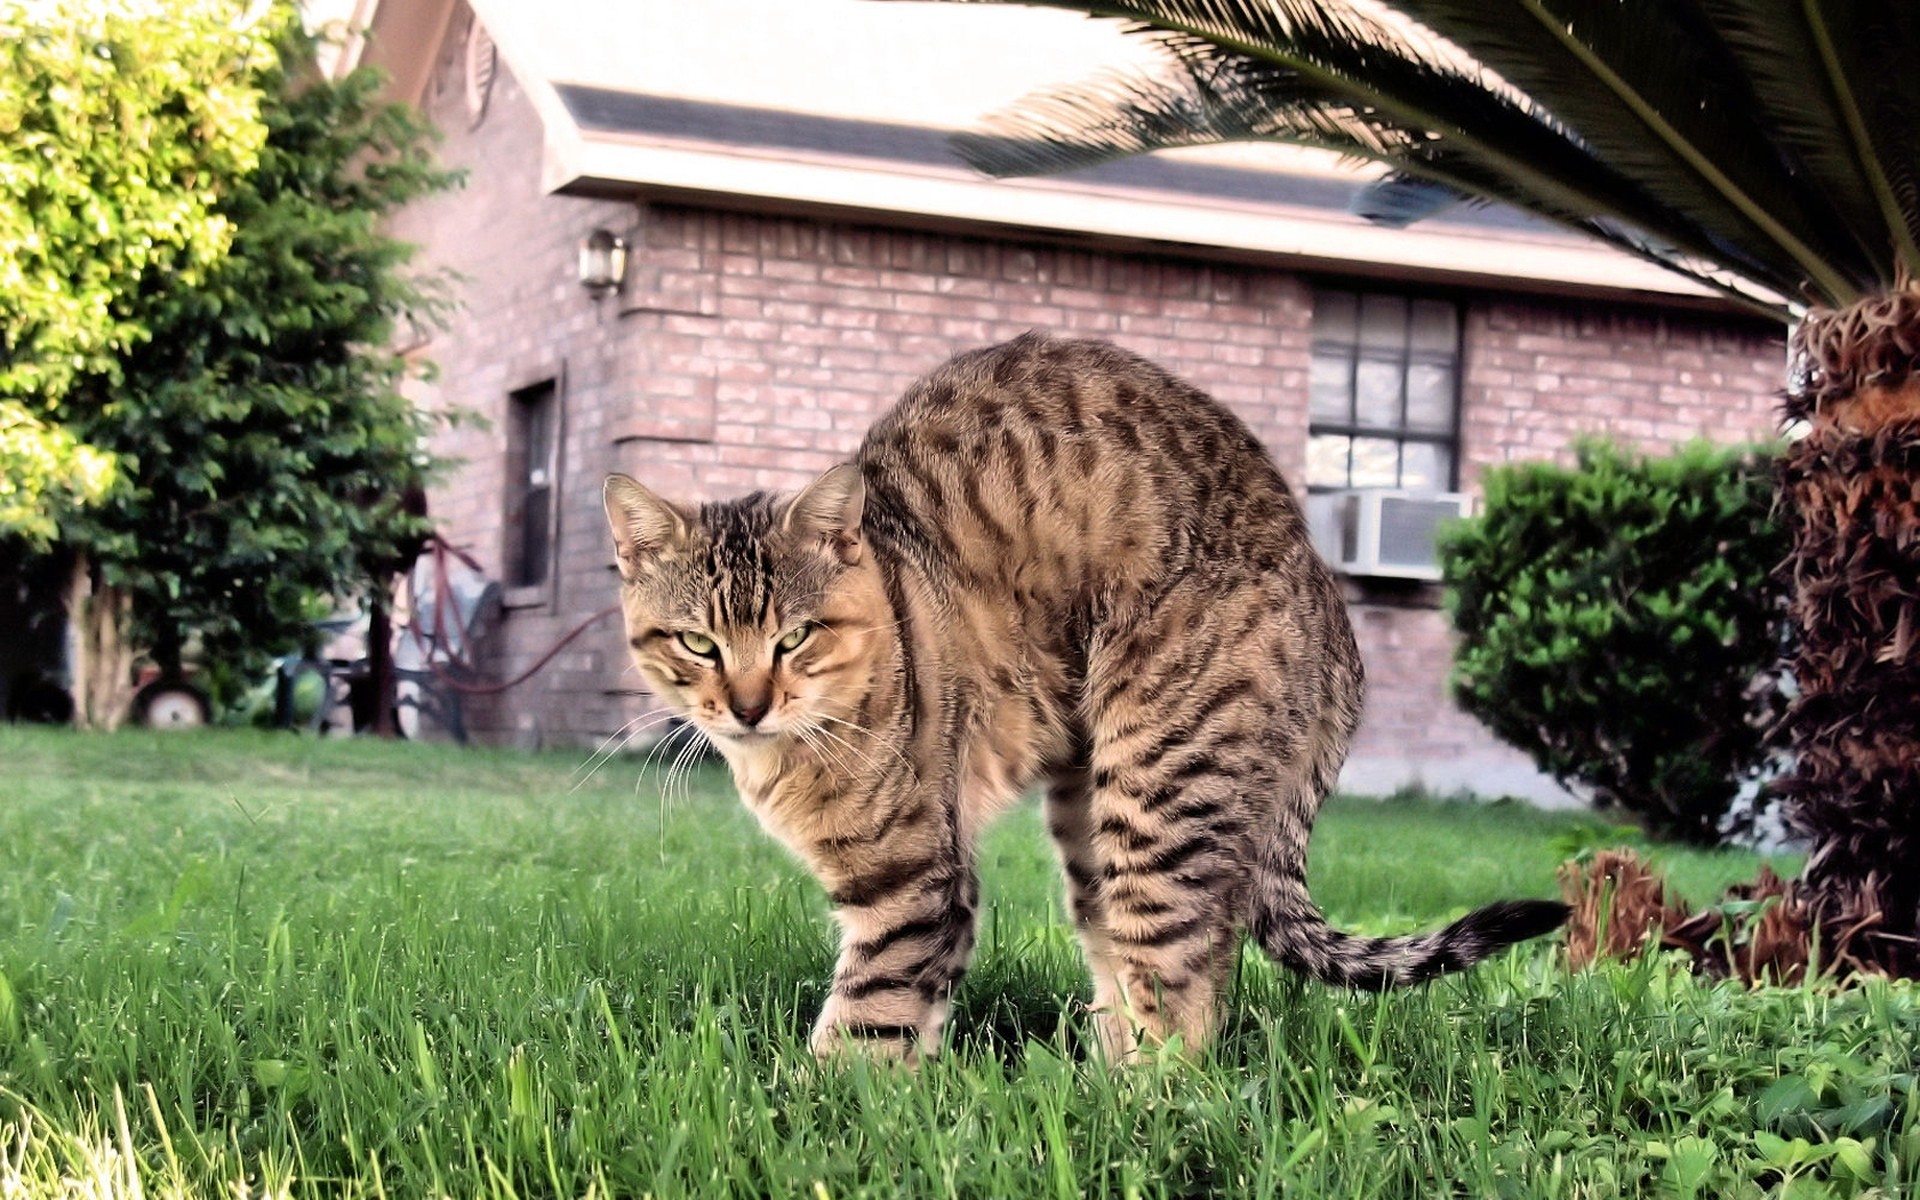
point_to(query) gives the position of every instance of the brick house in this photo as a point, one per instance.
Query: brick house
(801, 244)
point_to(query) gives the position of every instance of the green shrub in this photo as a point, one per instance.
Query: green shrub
(1618, 622)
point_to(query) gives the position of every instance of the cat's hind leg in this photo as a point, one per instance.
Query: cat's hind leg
(1179, 716)
(1069, 812)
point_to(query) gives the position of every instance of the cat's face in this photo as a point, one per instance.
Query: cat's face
(757, 618)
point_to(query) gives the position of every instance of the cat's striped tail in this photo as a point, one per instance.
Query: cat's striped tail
(1290, 927)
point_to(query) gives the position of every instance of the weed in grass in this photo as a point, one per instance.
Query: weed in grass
(298, 968)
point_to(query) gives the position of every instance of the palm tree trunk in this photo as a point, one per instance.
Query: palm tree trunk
(1852, 492)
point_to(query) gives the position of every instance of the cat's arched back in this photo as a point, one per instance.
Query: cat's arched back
(1052, 562)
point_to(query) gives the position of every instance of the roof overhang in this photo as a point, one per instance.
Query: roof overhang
(752, 104)
(1221, 212)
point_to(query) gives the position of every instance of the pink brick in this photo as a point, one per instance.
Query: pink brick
(851, 277)
(1086, 322)
(744, 371)
(850, 318)
(1006, 292)
(804, 418)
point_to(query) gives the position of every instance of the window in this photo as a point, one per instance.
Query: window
(1383, 393)
(532, 420)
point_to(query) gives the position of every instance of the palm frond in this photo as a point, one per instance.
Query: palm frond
(1120, 114)
(1206, 100)
(1791, 60)
(1869, 49)
(1779, 139)
(1393, 100)
(1648, 85)
(1509, 138)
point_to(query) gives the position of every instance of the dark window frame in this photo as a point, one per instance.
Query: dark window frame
(1356, 352)
(530, 521)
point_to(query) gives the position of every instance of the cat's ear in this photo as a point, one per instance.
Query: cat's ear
(643, 524)
(828, 510)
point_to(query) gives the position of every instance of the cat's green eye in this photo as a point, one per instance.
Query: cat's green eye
(791, 639)
(699, 643)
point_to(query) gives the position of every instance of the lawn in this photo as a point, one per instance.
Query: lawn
(236, 965)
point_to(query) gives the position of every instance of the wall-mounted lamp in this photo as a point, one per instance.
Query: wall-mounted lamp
(603, 262)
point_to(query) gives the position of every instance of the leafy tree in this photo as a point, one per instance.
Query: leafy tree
(43, 466)
(266, 457)
(1766, 147)
(1618, 622)
(118, 122)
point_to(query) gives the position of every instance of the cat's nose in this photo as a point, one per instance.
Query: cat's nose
(749, 712)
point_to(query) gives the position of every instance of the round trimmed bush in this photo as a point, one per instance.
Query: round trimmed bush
(1619, 621)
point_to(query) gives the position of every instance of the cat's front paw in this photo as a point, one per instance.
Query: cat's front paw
(877, 1043)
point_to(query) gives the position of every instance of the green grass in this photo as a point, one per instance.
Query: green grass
(265, 965)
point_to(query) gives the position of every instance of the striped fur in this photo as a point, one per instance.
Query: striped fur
(1051, 561)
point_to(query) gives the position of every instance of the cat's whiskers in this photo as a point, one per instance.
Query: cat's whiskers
(682, 768)
(602, 755)
(601, 758)
(805, 737)
(641, 775)
(657, 750)
(872, 763)
(869, 760)
(608, 740)
(859, 728)
(695, 747)
(811, 735)
(634, 728)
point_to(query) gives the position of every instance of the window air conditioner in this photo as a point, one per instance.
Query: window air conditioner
(1382, 532)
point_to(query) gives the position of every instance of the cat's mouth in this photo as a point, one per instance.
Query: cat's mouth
(748, 737)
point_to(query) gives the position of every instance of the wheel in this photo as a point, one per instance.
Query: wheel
(172, 704)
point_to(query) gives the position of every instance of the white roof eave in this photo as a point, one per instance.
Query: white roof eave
(1543, 259)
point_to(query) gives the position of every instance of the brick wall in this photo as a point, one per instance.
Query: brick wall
(752, 351)
(784, 338)
(1540, 372)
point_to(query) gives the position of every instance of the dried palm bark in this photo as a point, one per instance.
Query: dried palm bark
(1760, 932)
(1851, 489)
(1620, 907)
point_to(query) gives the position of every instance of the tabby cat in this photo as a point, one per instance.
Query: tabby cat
(1054, 561)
